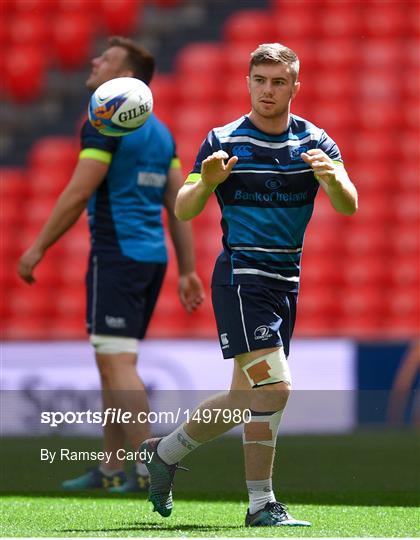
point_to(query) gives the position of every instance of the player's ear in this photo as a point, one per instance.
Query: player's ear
(247, 84)
(295, 90)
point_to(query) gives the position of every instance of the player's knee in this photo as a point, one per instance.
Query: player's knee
(112, 353)
(270, 369)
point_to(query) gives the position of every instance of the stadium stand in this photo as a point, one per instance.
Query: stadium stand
(359, 81)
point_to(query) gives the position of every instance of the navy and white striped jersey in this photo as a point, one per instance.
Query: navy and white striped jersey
(266, 202)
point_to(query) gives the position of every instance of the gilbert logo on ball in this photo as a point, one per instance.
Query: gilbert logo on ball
(120, 106)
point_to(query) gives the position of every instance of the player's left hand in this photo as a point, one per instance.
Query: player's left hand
(27, 263)
(191, 291)
(322, 165)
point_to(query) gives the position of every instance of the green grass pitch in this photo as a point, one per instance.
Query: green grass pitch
(358, 485)
(46, 516)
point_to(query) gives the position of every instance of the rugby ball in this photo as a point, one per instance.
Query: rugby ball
(120, 106)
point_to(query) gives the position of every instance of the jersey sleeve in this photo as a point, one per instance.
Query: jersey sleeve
(327, 145)
(210, 144)
(175, 161)
(94, 145)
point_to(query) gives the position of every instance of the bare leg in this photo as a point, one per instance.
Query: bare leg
(122, 389)
(273, 397)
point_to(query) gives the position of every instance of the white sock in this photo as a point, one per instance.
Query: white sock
(141, 469)
(109, 472)
(260, 493)
(175, 446)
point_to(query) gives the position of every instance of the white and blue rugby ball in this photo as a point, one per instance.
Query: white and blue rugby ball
(120, 106)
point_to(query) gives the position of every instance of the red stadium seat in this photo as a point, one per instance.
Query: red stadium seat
(235, 96)
(38, 210)
(194, 121)
(23, 64)
(371, 176)
(383, 20)
(403, 302)
(332, 85)
(404, 239)
(204, 90)
(164, 91)
(378, 83)
(412, 13)
(405, 272)
(75, 246)
(200, 58)
(411, 115)
(384, 114)
(382, 52)
(365, 271)
(121, 16)
(38, 7)
(56, 152)
(409, 180)
(47, 182)
(72, 40)
(408, 208)
(360, 239)
(31, 301)
(236, 60)
(83, 7)
(66, 327)
(374, 207)
(13, 183)
(293, 20)
(409, 84)
(320, 271)
(249, 26)
(19, 327)
(337, 53)
(29, 29)
(70, 301)
(360, 301)
(373, 144)
(333, 115)
(339, 19)
(409, 145)
(318, 309)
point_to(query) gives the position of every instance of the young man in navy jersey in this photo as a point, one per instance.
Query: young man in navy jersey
(265, 169)
(124, 182)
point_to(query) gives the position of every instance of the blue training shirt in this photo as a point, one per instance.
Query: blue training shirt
(125, 211)
(266, 202)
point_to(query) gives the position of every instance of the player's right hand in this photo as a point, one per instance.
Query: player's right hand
(214, 170)
(27, 263)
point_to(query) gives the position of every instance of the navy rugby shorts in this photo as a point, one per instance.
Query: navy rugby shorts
(121, 295)
(250, 317)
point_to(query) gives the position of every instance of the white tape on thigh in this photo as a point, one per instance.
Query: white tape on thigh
(268, 369)
(262, 429)
(113, 344)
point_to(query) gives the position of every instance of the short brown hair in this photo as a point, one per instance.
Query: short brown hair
(275, 53)
(139, 59)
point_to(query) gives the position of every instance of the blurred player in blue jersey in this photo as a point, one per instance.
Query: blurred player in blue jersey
(124, 182)
(265, 169)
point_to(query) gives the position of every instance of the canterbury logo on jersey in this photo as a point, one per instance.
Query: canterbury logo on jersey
(151, 179)
(242, 151)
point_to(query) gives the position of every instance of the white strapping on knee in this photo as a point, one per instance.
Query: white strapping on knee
(113, 344)
(268, 369)
(263, 428)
